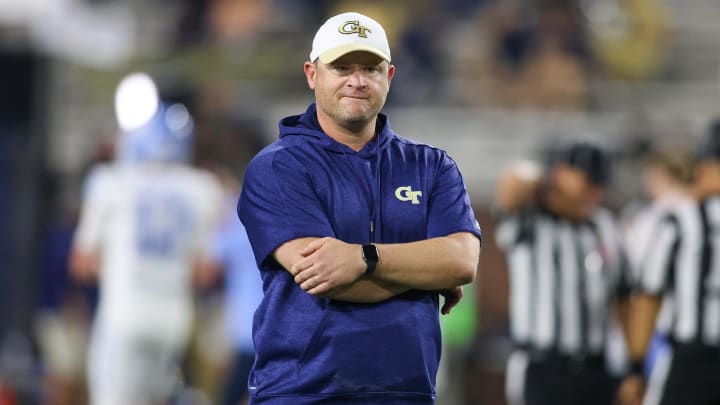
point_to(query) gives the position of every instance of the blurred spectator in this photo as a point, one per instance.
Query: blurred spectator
(552, 79)
(238, 21)
(478, 79)
(230, 125)
(145, 228)
(458, 9)
(420, 51)
(192, 26)
(550, 57)
(632, 38)
(526, 57)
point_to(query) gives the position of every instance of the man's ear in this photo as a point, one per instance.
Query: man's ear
(310, 74)
(391, 73)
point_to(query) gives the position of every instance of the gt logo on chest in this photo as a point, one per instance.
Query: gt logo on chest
(406, 193)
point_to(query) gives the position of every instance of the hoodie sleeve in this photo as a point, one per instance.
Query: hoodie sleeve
(449, 208)
(278, 203)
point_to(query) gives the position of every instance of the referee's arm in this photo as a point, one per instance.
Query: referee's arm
(644, 309)
(653, 279)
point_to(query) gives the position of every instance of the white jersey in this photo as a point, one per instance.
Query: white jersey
(149, 223)
(641, 232)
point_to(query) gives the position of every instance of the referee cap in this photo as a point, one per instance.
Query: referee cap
(349, 32)
(587, 157)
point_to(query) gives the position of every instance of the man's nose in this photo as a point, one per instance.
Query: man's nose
(357, 79)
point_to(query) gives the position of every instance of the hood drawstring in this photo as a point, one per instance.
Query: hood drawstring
(373, 201)
(378, 200)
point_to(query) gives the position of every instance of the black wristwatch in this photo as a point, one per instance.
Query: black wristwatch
(371, 256)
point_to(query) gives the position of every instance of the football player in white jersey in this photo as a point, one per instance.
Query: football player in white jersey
(145, 231)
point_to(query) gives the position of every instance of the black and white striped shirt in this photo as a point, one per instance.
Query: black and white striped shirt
(563, 276)
(684, 266)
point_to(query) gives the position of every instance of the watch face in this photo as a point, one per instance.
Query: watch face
(370, 254)
(371, 257)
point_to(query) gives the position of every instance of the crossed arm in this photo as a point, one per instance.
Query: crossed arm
(331, 268)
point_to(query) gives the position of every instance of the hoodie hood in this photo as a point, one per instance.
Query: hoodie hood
(307, 128)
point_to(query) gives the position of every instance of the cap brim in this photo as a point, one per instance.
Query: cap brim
(331, 55)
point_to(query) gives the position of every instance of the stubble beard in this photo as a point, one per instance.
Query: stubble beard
(354, 121)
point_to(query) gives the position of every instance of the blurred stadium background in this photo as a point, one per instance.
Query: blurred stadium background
(490, 81)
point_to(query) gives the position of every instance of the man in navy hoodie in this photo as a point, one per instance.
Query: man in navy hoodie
(357, 231)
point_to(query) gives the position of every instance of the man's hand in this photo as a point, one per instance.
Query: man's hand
(518, 185)
(631, 390)
(328, 263)
(452, 298)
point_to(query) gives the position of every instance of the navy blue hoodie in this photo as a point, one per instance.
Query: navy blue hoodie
(317, 350)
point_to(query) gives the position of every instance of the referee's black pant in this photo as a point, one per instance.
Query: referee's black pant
(686, 375)
(554, 379)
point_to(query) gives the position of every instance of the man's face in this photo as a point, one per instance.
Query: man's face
(580, 195)
(352, 89)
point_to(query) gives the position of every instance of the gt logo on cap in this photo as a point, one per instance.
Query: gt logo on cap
(354, 28)
(348, 32)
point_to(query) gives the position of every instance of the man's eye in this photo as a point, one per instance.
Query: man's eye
(341, 68)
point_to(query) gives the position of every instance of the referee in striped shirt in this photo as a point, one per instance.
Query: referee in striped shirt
(681, 275)
(566, 269)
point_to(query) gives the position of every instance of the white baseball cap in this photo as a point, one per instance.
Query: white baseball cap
(349, 32)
